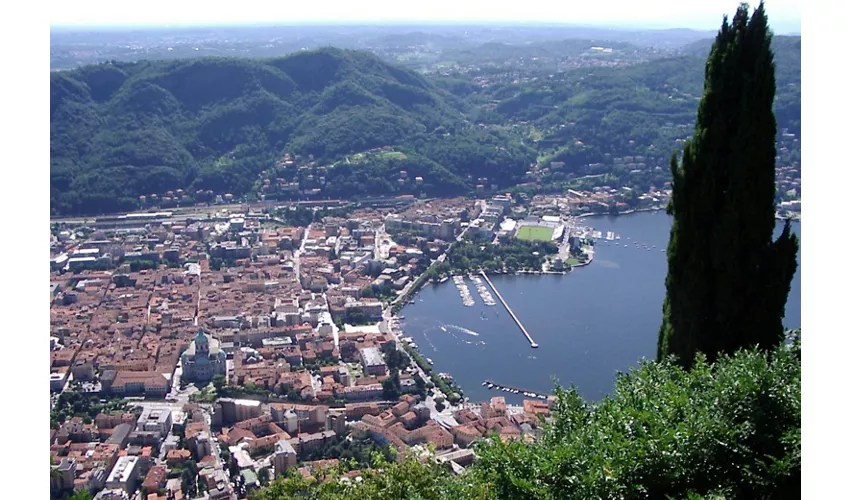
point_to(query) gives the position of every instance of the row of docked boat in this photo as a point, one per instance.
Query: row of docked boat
(511, 390)
(640, 246)
(465, 295)
(483, 291)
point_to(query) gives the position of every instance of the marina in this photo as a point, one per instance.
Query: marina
(482, 291)
(608, 235)
(513, 390)
(590, 324)
(465, 295)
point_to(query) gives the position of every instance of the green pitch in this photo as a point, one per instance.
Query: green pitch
(535, 233)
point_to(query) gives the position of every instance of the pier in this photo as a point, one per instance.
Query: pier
(508, 308)
(515, 390)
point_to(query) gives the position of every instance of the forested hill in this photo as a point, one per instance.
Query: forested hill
(589, 115)
(121, 130)
(211, 126)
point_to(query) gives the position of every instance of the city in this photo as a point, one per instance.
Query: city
(245, 346)
(454, 258)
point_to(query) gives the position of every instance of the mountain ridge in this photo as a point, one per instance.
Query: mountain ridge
(180, 119)
(120, 130)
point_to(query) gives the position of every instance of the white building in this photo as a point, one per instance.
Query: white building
(155, 419)
(290, 421)
(373, 362)
(507, 228)
(124, 475)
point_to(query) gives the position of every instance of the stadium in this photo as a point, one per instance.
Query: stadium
(546, 228)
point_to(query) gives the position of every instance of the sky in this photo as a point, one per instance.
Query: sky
(784, 15)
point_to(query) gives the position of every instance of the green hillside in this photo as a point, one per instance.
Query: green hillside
(120, 130)
(646, 109)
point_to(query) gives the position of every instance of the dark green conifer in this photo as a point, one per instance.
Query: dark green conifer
(727, 280)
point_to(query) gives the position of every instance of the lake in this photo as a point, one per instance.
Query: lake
(590, 324)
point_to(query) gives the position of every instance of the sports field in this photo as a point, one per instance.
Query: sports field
(535, 233)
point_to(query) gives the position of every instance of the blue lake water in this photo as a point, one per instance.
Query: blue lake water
(590, 324)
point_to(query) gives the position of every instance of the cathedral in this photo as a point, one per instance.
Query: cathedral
(203, 359)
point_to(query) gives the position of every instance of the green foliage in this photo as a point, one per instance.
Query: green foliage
(724, 430)
(249, 390)
(728, 281)
(121, 130)
(80, 495)
(263, 475)
(391, 386)
(218, 381)
(188, 473)
(406, 479)
(396, 360)
(450, 389)
(139, 265)
(207, 395)
(78, 404)
(731, 428)
(357, 317)
(509, 255)
(425, 365)
(356, 452)
(589, 116)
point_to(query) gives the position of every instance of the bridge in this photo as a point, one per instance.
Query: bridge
(508, 308)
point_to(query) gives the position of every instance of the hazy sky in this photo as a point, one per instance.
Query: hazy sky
(696, 14)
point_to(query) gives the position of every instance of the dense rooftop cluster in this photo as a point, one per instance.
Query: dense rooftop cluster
(257, 344)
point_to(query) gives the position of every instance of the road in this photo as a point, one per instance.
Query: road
(382, 250)
(444, 416)
(296, 255)
(180, 213)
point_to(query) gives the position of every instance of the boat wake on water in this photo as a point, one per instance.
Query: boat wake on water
(425, 334)
(464, 330)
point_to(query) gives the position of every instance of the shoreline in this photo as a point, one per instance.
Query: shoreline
(777, 216)
(590, 255)
(411, 294)
(626, 212)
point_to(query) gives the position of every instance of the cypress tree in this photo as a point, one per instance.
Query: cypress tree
(727, 280)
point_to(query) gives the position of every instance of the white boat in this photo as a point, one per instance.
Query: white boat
(483, 383)
(489, 386)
